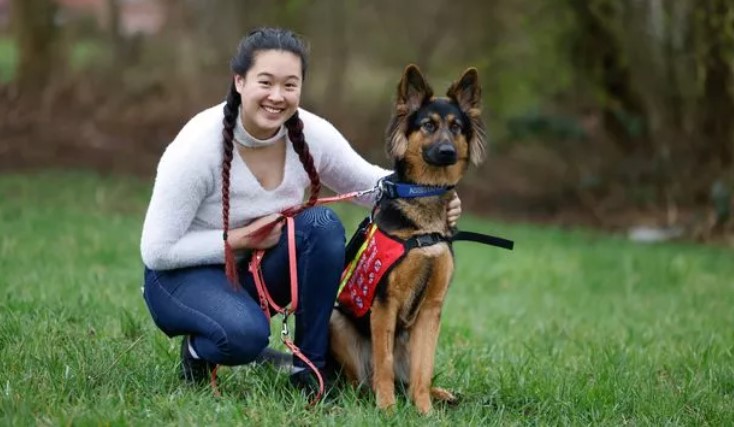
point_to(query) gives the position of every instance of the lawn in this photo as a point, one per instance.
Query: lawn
(572, 327)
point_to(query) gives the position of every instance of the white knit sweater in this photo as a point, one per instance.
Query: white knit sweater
(183, 225)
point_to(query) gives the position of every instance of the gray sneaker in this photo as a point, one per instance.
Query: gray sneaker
(278, 359)
(194, 371)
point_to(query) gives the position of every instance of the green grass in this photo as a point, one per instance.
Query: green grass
(570, 328)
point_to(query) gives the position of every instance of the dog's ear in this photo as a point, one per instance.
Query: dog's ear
(467, 93)
(413, 91)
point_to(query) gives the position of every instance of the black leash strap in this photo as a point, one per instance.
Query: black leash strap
(484, 239)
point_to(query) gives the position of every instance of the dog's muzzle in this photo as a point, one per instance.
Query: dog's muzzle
(440, 154)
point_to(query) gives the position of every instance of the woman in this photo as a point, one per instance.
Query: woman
(231, 169)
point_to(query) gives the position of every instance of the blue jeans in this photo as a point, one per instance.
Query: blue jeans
(227, 325)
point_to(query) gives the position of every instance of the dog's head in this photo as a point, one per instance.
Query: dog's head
(432, 140)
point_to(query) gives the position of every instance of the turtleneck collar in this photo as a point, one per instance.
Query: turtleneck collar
(242, 137)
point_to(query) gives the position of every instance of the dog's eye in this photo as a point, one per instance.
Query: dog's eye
(429, 127)
(455, 128)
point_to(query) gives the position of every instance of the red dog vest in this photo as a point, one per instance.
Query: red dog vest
(360, 278)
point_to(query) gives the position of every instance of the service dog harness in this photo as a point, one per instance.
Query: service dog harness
(376, 257)
(372, 253)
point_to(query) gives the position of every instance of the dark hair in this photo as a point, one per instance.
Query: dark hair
(268, 39)
(262, 39)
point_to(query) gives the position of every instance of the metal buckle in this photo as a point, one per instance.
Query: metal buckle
(425, 240)
(388, 188)
(379, 189)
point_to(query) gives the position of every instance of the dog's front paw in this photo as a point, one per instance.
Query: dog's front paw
(386, 402)
(423, 405)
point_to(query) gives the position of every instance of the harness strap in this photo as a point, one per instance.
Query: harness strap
(485, 239)
(424, 240)
(433, 238)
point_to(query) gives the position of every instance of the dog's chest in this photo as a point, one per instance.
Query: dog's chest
(419, 278)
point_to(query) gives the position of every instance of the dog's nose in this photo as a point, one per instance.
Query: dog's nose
(446, 150)
(441, 154)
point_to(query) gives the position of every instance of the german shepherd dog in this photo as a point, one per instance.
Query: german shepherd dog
(431, 141)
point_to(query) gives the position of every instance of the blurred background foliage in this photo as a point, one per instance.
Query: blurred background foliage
(601, 112)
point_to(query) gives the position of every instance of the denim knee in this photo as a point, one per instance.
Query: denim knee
(323, 229)
(244, 342)
(322, 258)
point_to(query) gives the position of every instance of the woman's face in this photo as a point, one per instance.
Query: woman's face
(270, 91)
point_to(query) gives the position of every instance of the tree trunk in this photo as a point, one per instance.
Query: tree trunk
(182, 31)
(35, 33)
(716, 40)
(598, 55)
(338, 57)
(114, 33)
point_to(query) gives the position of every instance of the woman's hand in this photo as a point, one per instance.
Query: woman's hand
(453, 210)
(241, 238)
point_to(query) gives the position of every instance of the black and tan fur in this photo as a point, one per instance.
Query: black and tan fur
(400, 343)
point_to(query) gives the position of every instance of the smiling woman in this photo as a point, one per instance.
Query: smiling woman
(231, 169)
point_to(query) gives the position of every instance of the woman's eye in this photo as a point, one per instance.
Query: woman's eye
(264, 83)
(429, 127)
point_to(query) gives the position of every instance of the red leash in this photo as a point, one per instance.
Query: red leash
(332, 199)
(266, 301)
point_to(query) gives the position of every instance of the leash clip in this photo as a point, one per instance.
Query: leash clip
(375, 189)
(284, 332)
(380, 189)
